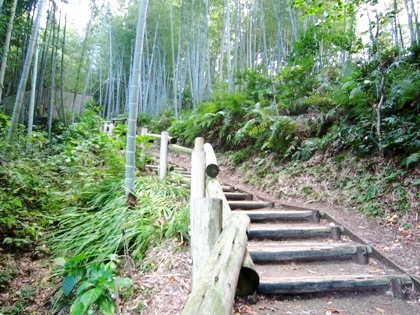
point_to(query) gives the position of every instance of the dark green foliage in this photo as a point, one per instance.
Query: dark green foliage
(92, 285)
(294, 115)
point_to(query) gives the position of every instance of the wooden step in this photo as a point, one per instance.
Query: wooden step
(273, 231)
(293, 285)
(227, 188)
(250, 205)
(238, 196)
(283, 215)
(262, 252)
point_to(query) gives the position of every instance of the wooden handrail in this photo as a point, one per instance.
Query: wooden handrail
(171, 140)
(215, 290)
(228, 270)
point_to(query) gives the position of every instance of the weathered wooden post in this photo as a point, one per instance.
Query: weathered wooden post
(212, 168)
(163, 159)
(111, 127)
(105, 127)
(215, 289)
(198, 166)
(206, 228)
(143, 131)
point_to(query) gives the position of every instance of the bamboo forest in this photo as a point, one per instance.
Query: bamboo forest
(314, 101)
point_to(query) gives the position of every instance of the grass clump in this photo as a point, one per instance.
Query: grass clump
(105, 224)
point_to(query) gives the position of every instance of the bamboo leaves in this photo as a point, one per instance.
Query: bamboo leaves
(105, 223)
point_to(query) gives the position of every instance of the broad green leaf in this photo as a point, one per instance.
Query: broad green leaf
(68, 284)
(60, 261)
(90, 296)
(85, 285)
(77, 308)
(347, 84)
(106, 305)
(123, 282)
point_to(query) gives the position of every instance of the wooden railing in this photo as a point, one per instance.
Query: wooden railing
(222, 266)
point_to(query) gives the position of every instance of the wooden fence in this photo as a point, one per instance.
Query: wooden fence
(222, 266)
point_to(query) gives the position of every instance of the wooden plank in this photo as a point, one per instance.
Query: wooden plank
(250, 205)
(238, 196)
(306, 284)
(227, 188)
(286, 253)
(284, 215)
(169, 139)
(180, 149)
(274, 232)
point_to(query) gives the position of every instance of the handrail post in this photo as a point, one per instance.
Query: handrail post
(111, 127)
(206, 228)
(198, 167)
(212, 168)
(163, 165)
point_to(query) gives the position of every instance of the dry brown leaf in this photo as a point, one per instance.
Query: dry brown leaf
(332, 309)
(380, 310)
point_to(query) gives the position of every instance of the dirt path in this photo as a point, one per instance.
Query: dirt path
(404, 252)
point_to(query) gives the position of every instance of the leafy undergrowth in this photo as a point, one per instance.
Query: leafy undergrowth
(64, 213)
(107, 225)
(374, 186)
(98, 240)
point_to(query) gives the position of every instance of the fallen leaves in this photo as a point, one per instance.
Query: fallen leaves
(331, 310)
(379, 310)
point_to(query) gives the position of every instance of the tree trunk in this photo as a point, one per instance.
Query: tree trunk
(416, 20)
(32, 97)
(133, 104)
(228, 52)
(80, 64)
(410, 22)
(89, 74)
(174, 70)
(53, 69)
(63, 46)
(24, 77)
(6, 47)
